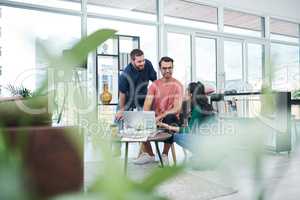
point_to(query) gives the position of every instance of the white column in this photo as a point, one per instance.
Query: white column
(83, 18)
(160, 29)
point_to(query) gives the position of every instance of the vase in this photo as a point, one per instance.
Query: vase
(105, 96)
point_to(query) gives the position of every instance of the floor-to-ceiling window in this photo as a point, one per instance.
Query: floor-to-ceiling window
(206, 61)
(285, 67)
(179, 48)
(22, 31)
(255, 66)
(241, 23)
(285, 55)
(126, 9)
(190, 14)
(233, 65)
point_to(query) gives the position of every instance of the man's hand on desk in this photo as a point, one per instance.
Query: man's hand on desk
(119, 115)
(168, 127)
(162, 125)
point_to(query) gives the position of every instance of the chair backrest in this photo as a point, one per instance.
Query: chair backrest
(184, 113)
(217, 101)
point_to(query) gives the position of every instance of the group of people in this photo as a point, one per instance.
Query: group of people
(165, 97)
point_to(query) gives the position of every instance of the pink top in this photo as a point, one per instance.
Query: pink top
(165, 93)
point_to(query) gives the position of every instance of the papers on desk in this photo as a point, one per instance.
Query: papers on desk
(135, 135)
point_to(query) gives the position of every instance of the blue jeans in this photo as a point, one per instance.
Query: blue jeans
(185, 140)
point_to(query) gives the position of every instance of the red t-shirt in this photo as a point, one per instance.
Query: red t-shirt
(165, 94)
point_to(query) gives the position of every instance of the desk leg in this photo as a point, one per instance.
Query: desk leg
(126, 158)
(159, 155)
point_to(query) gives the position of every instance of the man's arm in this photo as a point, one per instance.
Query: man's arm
(176, 109)
(123, 88)
(122, 100)
(148, 102)
(176, 105)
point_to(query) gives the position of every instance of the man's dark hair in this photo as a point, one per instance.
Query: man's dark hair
(165, 59)
(135, 53)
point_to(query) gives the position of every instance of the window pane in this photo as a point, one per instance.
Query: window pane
(136, 9)
(242, 23)
(190, 14)
(179, 48)
(73, 5)
(147, 34)
(283, 30)
(233, 65)
(285, 65)
(255, 67)
(20, 43)
(206, 61)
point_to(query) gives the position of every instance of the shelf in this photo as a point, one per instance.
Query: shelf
(111, 104)
(110, 55)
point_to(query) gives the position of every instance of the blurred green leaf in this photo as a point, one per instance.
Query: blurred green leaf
(76, 56)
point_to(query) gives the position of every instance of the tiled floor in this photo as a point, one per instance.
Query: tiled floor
(281, 174)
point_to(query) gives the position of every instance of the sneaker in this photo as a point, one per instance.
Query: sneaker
(144, 158)
(165, 159)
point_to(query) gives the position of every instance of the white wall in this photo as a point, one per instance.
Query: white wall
(287, 9)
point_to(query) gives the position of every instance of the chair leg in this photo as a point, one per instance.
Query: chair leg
(173, 153)
(141, 149)
(185, 154)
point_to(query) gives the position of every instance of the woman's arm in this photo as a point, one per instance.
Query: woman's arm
(168, 127)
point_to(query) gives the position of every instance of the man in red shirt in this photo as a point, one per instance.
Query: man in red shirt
(165, 98)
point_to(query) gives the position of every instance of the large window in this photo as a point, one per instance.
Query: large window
(21, 57)
(187, 13)
(147, 34)
(255, 66)
(135, 9)
(66, 4)
(283, 30)
(242, 23)
(206, 61)
(285, 67)
(233, 65)
(179, 48)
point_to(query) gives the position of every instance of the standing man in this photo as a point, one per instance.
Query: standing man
(165, 98)
(133, 82)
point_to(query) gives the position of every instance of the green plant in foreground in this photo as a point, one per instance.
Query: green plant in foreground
(19, 91)
(113, 184)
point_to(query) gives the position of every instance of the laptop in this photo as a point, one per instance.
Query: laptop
(139, 124)
(140, 120)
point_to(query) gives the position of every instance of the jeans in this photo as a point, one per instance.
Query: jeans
(170, 119)
(184, 140)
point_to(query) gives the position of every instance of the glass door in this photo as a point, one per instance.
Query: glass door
(206, 61)
(179, 48)
(234, 65)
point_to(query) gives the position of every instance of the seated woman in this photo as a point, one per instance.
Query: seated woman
(201, 113)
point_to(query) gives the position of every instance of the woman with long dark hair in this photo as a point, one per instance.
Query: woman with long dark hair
(201, 113)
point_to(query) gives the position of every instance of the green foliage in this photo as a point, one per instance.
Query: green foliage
(296, 94)
(11, 173)
(19, 91)
(113, 184)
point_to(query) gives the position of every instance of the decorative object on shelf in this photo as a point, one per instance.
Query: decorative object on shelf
(111, 62)
(104, 48)
(105, 96)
